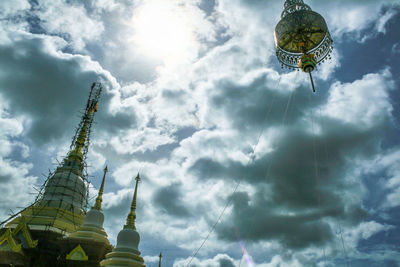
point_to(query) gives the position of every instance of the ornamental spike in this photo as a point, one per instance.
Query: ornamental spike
(130, 220)
(80, 143)
(99, 198)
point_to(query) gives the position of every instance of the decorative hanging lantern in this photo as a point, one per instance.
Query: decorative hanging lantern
(302, 38)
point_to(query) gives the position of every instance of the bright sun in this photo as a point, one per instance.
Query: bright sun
(163, 30)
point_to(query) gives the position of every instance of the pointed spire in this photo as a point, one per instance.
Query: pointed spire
(81, 139)
(159, 262)
(75, 156)
(130, 220)
(80, 142)
(99, 198)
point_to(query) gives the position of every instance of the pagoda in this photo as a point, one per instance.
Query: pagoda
(88, 245)
(127, 253)
(32, 236)
(56, 230)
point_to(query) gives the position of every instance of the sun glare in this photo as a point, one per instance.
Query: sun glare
(163, 30)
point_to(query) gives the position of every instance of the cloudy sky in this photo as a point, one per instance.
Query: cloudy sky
(196, 101)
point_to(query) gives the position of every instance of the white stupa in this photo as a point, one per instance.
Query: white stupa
(92, 228)
(127, 253)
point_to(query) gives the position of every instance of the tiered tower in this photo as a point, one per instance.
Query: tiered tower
(56, 231)
(59, 209)
(89, 244)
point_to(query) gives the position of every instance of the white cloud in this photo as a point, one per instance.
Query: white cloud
(363, 231)
(133, 141)
(219, 145)
(396, 48)
(351, 17)
(173, 108)
(12, 17)
(277, 261)
(326, 70)
(151, 259)
(107, 5)
(62, 18)
(12, 8)
(218, 261)
(388, 164)
(363, 102)
(382, 21)
(16, 182)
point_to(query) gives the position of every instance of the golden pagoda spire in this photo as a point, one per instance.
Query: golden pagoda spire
(130, 220)
(99, 198)
(80, 141)
(78, 148)
(60, 207)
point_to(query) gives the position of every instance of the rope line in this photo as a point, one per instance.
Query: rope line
(288, 105)
(293, 93)
(239, 182)
(339, 225)
(343, 246)
(241, 259)
(317, 176)
(287, 108)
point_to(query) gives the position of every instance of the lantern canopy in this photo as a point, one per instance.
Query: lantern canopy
(302, 37)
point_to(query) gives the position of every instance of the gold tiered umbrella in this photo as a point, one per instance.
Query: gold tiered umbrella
(302, 38)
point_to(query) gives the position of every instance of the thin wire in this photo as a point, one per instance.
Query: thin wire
(344, 248)
(239, 182)
(241, 259)
(317, 175)
(265, 120)
(215, 224)
(340, 227)
(287, 107)
(292, 95)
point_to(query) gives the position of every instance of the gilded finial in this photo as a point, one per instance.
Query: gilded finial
(80, 141)
(130, 221)
(78, 149)
(99, 198)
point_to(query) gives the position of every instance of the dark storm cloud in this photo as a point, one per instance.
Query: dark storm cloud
(117, 209)
(285, 202)
(173, 94)
(208, 6)
(248, 105)
(169, 200)
(112, 123)
(226, 263)
(259, 222)
(288, 173)
(290, 199)
(5, 178)
(51, 90)
(45, 88)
